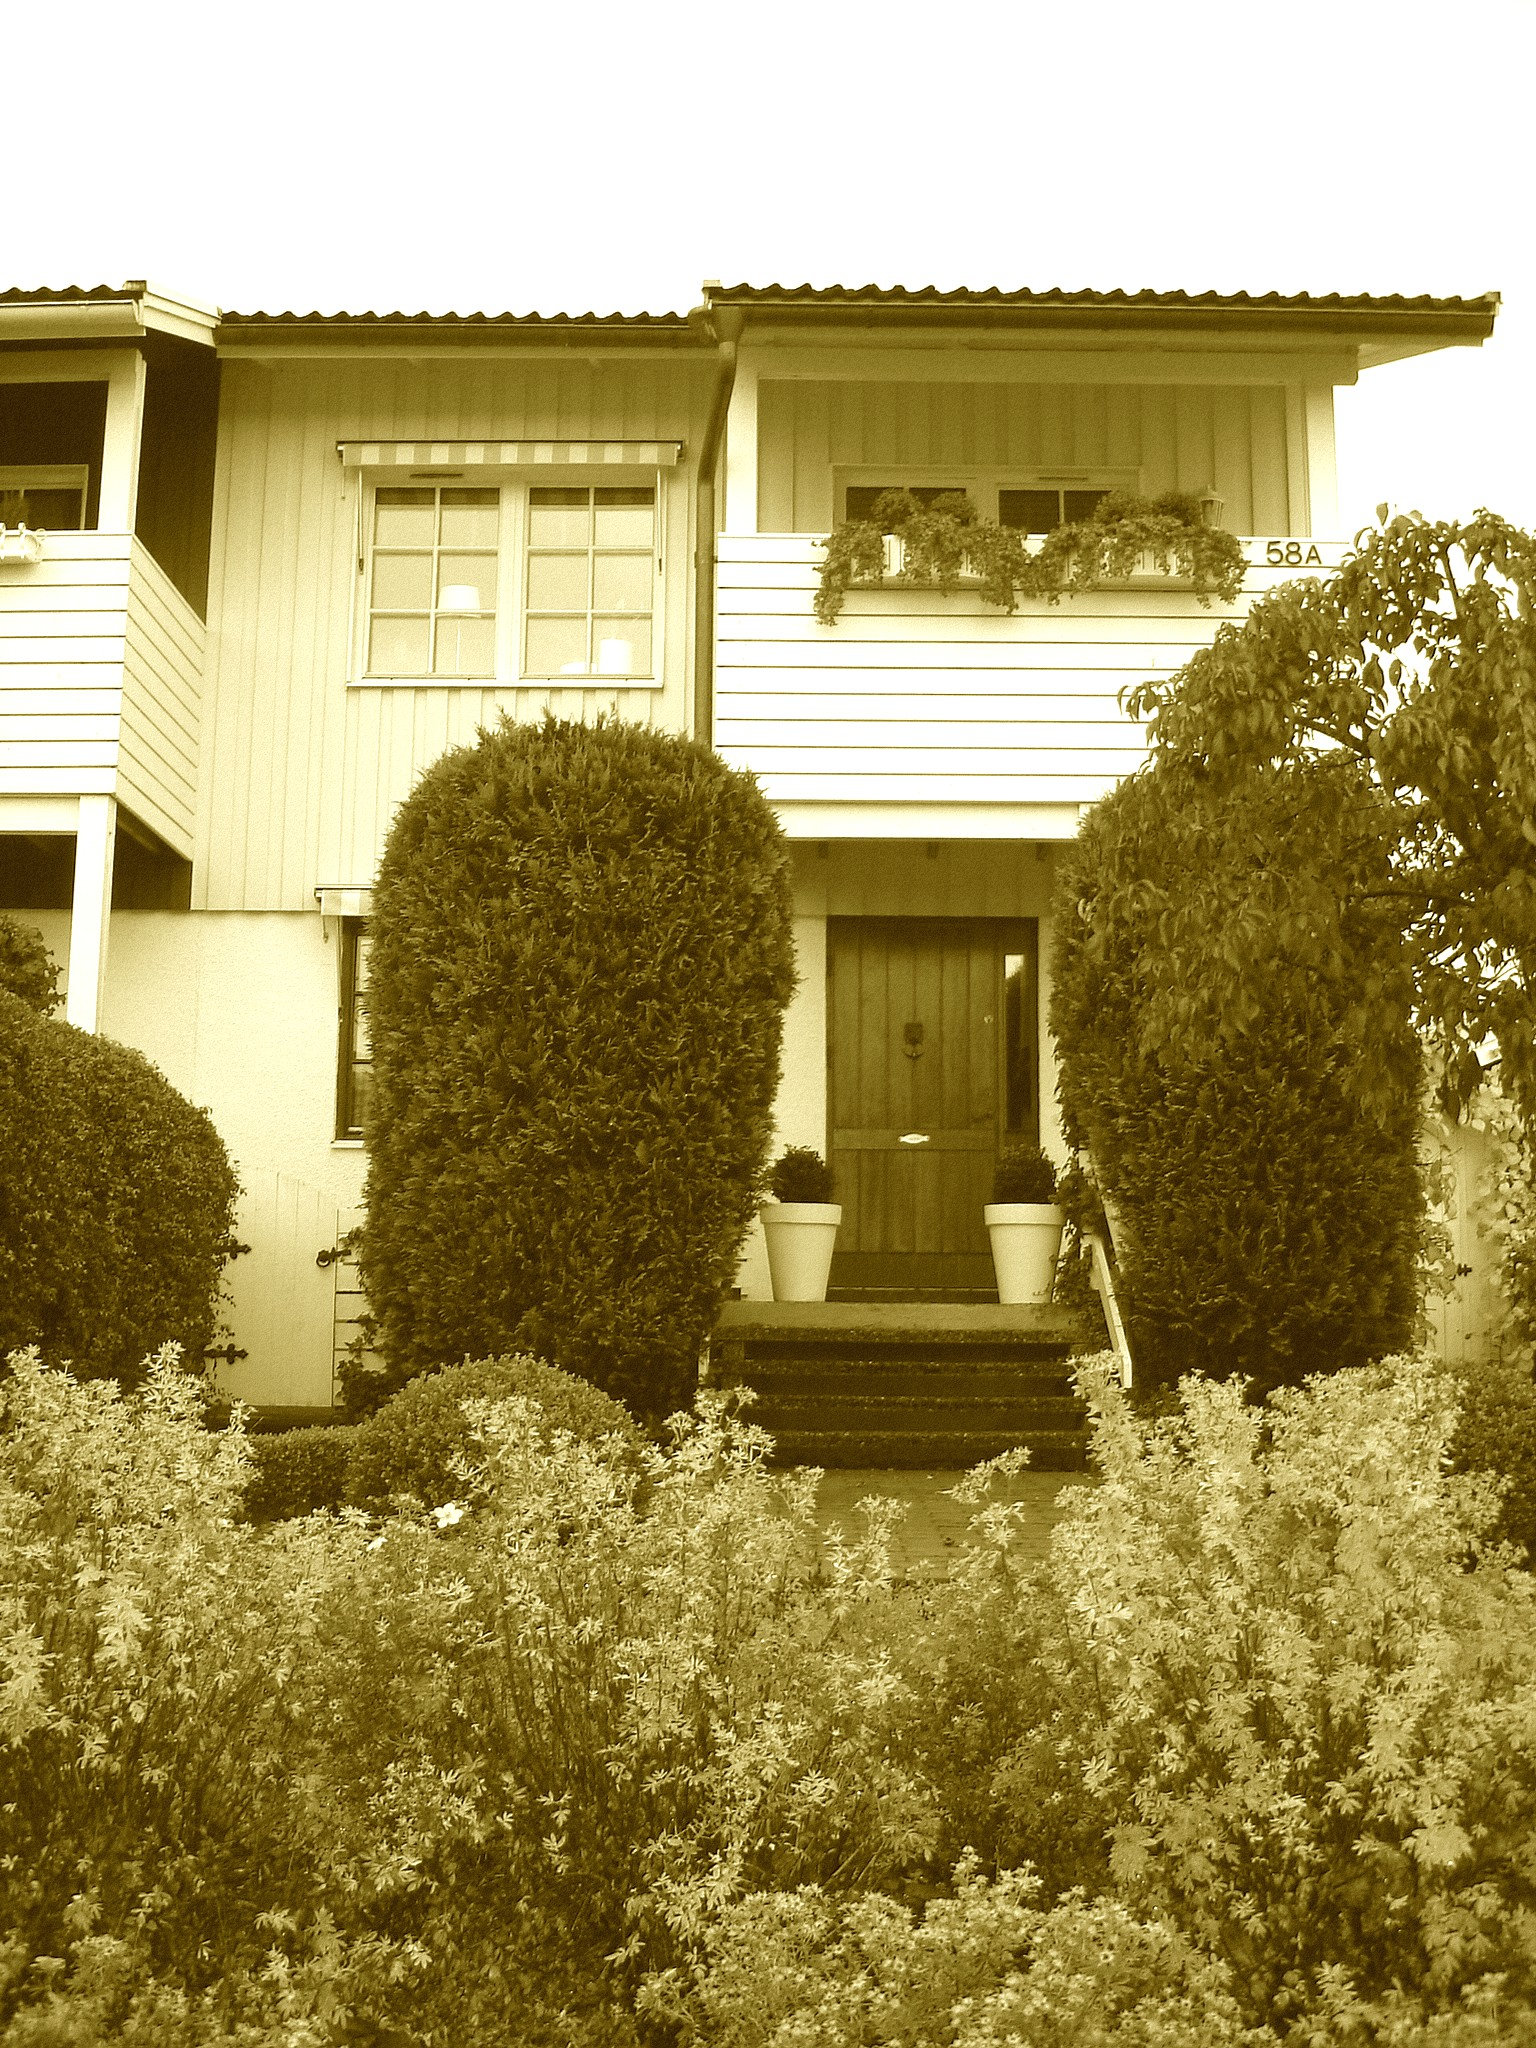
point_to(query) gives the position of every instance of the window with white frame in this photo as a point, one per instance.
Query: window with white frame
(1030, 502)
(590, 580)
(46, 497)
(505, 581)
(432, 594)
(354, 1063)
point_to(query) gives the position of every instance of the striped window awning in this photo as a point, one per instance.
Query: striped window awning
(507, 454)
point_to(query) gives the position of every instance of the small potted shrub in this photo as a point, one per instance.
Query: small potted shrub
(800, 1224)
(1024, 1225)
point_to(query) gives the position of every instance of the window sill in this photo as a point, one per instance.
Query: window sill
(346, 1144)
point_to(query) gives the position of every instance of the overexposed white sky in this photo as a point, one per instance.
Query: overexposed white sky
(461, 155)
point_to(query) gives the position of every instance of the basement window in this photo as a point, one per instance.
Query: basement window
(354, 1066)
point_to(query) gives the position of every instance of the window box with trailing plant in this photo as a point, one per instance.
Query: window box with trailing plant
(946, 545)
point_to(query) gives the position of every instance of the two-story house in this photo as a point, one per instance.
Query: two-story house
(274, 564)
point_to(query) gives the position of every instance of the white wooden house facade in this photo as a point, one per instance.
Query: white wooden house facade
(305, 554)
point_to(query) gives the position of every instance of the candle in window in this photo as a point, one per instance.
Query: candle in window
(615, 657)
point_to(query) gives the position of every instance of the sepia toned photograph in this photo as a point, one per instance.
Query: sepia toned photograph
(768, 1026)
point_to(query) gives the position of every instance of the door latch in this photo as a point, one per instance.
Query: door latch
(913, 1034)
(228, 1352)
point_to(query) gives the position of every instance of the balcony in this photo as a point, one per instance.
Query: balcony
(101, 663)
(914, 704)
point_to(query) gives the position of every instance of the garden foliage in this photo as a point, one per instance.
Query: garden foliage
(1249, 1098)
(296, 1471)
(416, 1443)
(27, 967)
(581, 955)
(117, 1201)
(597, 1753)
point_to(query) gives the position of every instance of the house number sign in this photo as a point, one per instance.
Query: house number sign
(1288, 554)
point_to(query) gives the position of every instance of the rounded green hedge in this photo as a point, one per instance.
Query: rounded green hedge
(1260, 1160)
(409, 1445)
(1496, 1432)
(294, 1472)
(117, 1203)
(581, 956)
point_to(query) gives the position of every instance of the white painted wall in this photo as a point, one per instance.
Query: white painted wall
(239, 1012)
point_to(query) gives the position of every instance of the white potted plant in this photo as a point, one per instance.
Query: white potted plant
(800, 1225)
(1024, 1225)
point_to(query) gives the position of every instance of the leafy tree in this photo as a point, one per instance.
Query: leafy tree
(1417, 662)
(27, 968)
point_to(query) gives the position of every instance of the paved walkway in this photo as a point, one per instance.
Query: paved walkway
(935, 1525)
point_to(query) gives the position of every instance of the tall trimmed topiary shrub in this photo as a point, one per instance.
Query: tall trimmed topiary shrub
(581, 957)
(117, 1202)
(1251, 1117)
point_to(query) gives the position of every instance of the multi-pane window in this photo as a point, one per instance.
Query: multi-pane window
(1041, 508)
(354, 1079)
(432, 600)
(591, 581)
(51, 499)
(1037, 507)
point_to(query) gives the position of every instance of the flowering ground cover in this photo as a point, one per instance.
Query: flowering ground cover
(602, 1749)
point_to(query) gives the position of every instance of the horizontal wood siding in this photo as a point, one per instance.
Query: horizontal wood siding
(1179, 437)
(63, 628)
(162, 704)
(912, 697)
(302, 771)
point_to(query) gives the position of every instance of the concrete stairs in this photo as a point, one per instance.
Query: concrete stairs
(904, 1385)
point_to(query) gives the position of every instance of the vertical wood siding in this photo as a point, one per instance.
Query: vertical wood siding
(1179, 436)
(300, 772)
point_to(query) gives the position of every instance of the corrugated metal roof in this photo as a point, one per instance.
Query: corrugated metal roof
(403, 319)
(995, 295)
(69, 294)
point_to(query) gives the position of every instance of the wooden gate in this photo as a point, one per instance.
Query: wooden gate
(933, 1061)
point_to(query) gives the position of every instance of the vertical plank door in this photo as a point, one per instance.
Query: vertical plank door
(933, 1058)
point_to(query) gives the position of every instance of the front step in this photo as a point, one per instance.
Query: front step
(903, 1385)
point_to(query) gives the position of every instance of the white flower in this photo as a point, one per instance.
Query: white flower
(449, 1513)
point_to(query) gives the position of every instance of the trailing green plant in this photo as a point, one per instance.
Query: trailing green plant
(296, 1472)
(27, 968)
(800, 1174)
(1249, 1094)
(416, 1443)
(117, 1201)
(946, 538)
(581, 955)
(1024, 1174)
(1124, 531)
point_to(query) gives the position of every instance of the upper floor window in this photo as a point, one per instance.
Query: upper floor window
(1041, 508)
(1032, 504)
(591, 581)
(511, 582)
(42, 496)
(432, 605)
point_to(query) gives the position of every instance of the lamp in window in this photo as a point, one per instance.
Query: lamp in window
(615, 657)
(458, 601)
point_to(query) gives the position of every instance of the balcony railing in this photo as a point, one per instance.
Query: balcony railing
(101, 665)
(916, 699)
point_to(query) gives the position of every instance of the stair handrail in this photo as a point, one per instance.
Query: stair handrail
(1101, 1255)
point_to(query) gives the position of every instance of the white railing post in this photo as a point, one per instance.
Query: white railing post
(90, 910)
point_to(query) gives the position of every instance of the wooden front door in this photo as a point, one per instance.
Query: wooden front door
(933, 1063)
